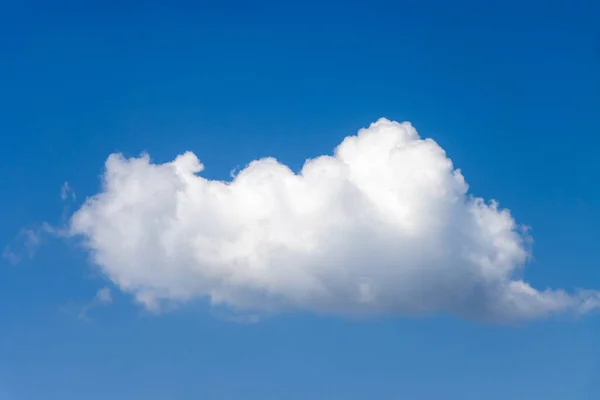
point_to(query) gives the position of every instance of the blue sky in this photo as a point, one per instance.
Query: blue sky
(510, 92)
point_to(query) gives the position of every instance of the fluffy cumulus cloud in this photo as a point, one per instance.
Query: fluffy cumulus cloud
(383, 226)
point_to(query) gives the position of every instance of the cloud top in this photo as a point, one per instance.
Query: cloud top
(383, 226)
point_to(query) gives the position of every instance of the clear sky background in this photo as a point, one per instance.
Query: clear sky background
(511, 92)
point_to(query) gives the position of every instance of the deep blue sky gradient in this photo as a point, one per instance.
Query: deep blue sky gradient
(511, 91)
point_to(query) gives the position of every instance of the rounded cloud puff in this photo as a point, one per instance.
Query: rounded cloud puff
(384, 226)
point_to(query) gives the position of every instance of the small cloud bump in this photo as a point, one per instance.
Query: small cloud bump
(103, 297)
(67, 192)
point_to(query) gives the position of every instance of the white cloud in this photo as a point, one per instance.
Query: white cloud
(67, 191)
(102, 297)
(29, 240)
(384, 226)
(33, 239)
(10, 255)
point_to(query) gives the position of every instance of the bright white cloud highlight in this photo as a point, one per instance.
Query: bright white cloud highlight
(384, 226)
